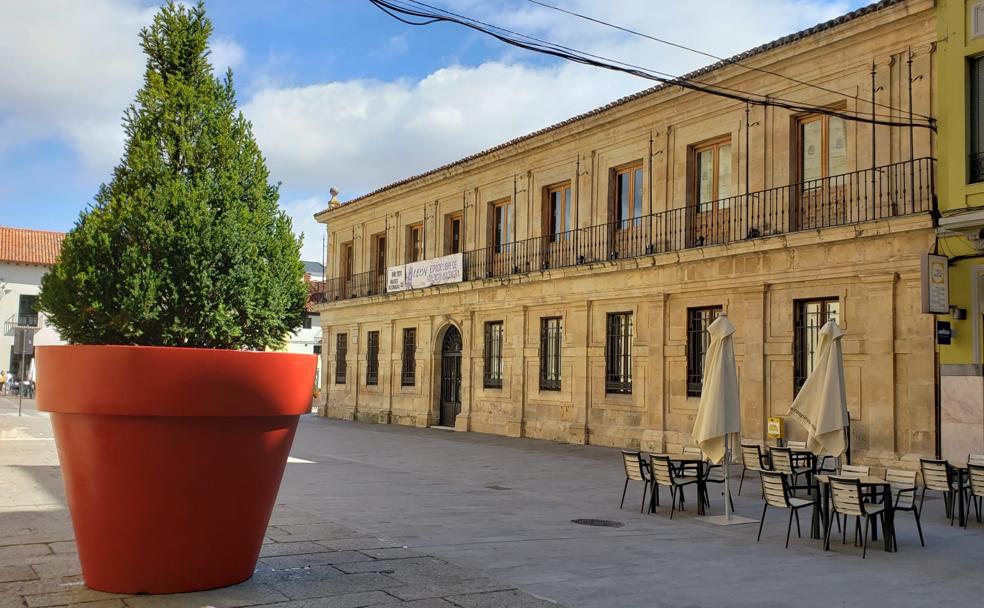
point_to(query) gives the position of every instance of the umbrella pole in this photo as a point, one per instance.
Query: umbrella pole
(727, 480)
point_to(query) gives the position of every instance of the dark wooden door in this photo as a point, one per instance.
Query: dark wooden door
(450, 377)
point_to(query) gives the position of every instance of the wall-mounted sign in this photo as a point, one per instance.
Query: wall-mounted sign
(396, 278)
(935, 284)
(417, 275)
(943, 332)
(774, 428)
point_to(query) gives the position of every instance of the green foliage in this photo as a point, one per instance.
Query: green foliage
(185, 246)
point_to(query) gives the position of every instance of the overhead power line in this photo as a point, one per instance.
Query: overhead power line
(726, 60)
(406, 10)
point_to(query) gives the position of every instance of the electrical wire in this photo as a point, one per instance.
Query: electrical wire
(433, 14)
(729, 61)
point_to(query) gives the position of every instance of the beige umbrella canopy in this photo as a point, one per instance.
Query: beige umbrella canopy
(821, 406)
(719, 414)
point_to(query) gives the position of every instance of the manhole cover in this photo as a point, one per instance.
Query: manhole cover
(603, 523)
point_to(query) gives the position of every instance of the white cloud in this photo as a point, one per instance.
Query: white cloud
(302, 213)
(68, 70)
(363, 134)
(225, 53)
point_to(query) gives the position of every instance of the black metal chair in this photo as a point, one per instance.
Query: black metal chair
(939, 476)
(665, 475)
(776, 490)
(636, 469)
(782, 462)
(847, 498)
(752, 460)
(904, 489)
(976, 493)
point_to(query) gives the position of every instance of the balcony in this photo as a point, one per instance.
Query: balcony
(889, 191)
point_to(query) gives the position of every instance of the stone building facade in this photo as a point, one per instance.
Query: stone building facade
(596, 251)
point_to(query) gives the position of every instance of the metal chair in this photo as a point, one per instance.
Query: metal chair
(976, 494)
(782, 462)
(854, 471)
(665, 475)
(938, 476)
(904, 489)
(777, 494)
(713, 473)
(975, 459)
(636, 469)
(847, 499)
(798, 459)
(752, 460)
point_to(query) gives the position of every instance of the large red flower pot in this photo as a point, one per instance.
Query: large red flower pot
(171, 457)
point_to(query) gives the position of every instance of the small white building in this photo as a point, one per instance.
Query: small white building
(307, 339)
(25, 257)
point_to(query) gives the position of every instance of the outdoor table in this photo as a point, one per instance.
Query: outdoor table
(698, 460)
(962, 473)
(867, 482)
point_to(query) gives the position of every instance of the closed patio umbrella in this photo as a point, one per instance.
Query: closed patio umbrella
(821, 406)
(719, 415)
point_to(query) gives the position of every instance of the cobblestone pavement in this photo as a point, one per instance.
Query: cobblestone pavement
(307, 561)
(385, 515)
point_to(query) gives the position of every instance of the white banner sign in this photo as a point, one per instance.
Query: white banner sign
(935, 284)
(417, 275)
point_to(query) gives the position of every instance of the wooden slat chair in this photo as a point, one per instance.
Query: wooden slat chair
(777, 494)
(665, 475)
(939, 477)
(798, 459)
(976, 493)
(713, 473)
(636, 469)
(752, 459)
(975, 459)
(904, 490)
(782, 462)
(851, 471)
(847, 498)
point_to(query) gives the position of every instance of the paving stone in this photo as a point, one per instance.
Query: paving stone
(295, 532)
(296, 548)
(366, 542)
(10, 574)
(58, 568)
(447, 588)
(434, 602)
(307, 573)
(336, 585)
(315, 559)
(391, 553)
(64, 547)
(20, 552)
(348, 600)
(243, 594)
(69, 597)
(498, 599)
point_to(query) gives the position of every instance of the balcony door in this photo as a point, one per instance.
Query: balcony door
(628, 236)
(822, 169)
(379, 263)
(558, 222)
(347, 265)
(711, 220)
(501, 258)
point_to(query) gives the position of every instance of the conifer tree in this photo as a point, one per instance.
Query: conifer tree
(185, 246)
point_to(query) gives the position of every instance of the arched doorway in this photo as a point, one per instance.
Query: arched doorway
(450, 404)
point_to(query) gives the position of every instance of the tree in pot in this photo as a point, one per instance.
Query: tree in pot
(173, 426)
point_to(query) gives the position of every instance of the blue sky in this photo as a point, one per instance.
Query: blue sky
(339, 93)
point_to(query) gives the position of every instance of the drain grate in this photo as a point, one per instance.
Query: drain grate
(494, 487)
(602, 523)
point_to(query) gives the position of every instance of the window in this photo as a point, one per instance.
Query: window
(976, 173)
(493, 354)
(415, 243)
(372, 358)
(341, 353)
(551, 338)
(453, 234)
(379, 254)
(698, 319)
(27, 311)
(618, 353)
(348, 260)
(502, 229)
(308, 321)
(557, 213)
(712, 175)
(811, 315)
(409, 375)
(317, 349)
(627, 201)
(822, 147)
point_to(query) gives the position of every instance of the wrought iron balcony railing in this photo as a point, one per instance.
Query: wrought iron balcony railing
(894, 190)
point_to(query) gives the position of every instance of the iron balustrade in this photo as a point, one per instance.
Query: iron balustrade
(976, 168)
(888, 191)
